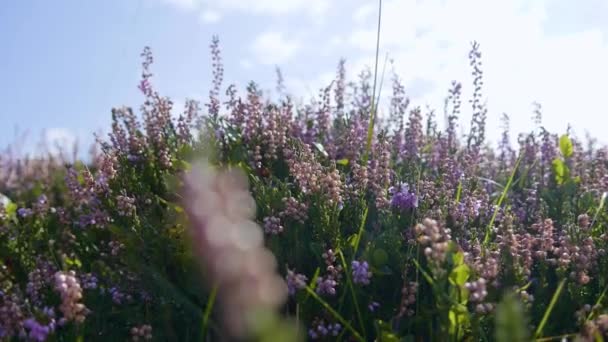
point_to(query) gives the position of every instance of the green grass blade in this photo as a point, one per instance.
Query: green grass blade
(486, 239)
(341, 319)
(360, 232)
(349, 282)
(372, 117)
(599, 208)
(208, 310)
(598, 302)
(541, 326)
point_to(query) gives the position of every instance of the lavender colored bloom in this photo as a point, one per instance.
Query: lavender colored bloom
(373, 306)
(295, 281)
(402, 198)
(326, 286)
(37, 331)
(322, 329)
(24, 212)
(361, 273)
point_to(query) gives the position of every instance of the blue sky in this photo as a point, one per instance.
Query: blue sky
(65, 64)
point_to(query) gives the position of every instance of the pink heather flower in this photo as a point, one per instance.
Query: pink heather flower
(477, 290)
(272, 225)
(70, 291)
(408, 299)
(143, 332)
(434, 238)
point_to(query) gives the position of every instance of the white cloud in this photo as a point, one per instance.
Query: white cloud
(273, 48)
(258, 7)
(59, 140)
(184, 4)
(210, 16)
(245, 64)
(276, 7)
(521, 62)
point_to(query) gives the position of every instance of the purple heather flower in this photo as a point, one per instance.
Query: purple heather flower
(321, 329)
(295, 281)
(24, 212)
(373, 306)
(37, 331)
(326, 285)
(402, 198)
(361, 273)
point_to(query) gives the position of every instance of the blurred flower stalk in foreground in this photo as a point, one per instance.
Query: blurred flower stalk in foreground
(230, 247)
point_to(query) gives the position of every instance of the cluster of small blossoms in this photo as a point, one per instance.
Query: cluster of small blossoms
(143, 332)
(408, 299)
(320, 329)
(485, 262)
(295, 282)
(11, 314)
(518, 245)
(380, 173)
(89, 281)
(38, 331)
(41, 206)
(118, 296)
(274, 135)
(231, 245)
(477, 290)
(595, 328)
(373, 306)
(115, 247)
(70, 291)
(357, 181)
(581, 259)
(402, 198)
(544, 238)
(582, 313)
(125, 205)
(467, 210)
(327, 285)
(272, 225)
(361, 272)
(413, 134)
(38, 279)
(313, 178)
(434, 238)
(294, 210)
(24, 212)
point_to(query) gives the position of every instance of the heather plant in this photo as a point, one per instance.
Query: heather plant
(247, 218)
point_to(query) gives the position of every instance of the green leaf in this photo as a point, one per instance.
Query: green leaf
(343, 162)
(11, 209)
(561, 171)
(459, 321)
(565, 146)
(385, 333)
(510, 320)
(380, 257)
(460, 274)
(458, 258)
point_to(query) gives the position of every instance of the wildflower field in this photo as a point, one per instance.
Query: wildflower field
(253, 218)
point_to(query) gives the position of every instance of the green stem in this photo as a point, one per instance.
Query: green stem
(539, 330)
(334, 313)
(208, 310)
(486, 239)
(372, 118)
(352, 291)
